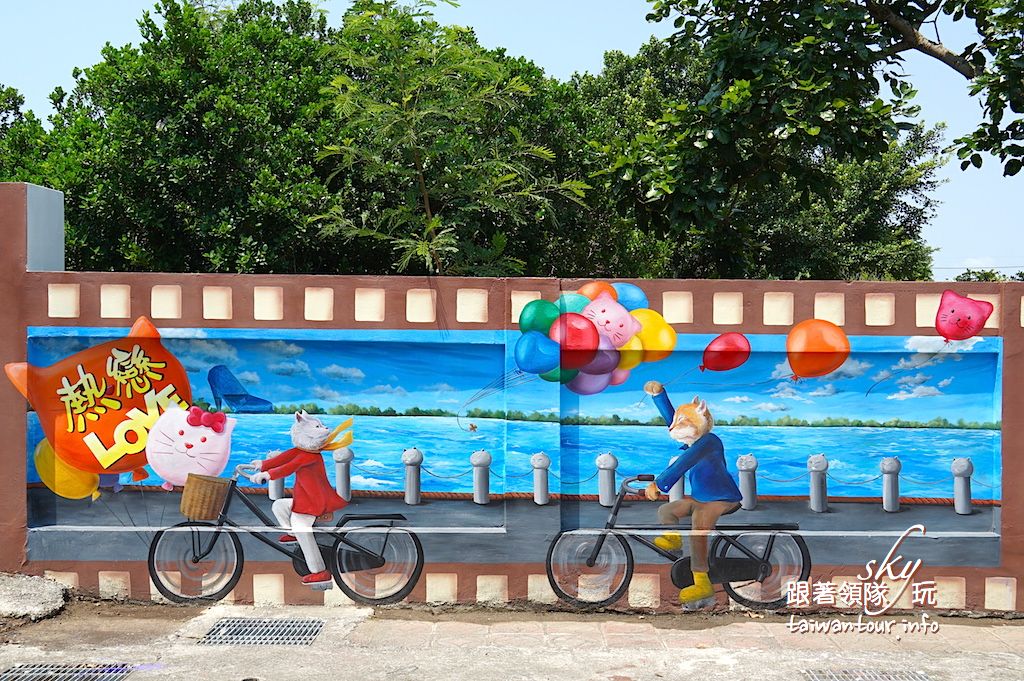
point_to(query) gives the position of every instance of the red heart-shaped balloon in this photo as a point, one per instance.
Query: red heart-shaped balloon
(577, 337)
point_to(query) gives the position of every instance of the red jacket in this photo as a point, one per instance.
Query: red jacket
(313, 494)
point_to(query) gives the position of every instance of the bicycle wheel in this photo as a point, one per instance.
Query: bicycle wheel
(575, 582)
(179, 573)
(359, 576)
(789, 559)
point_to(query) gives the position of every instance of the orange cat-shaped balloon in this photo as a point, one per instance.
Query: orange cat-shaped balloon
(96, 407)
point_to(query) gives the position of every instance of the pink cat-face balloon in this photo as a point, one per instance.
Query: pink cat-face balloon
(959, 317)
(612, 320)
(193, 441)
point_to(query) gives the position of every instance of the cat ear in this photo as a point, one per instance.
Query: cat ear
(143, 328)
(229, 426)
(703, 407)
(696, 399)
(986, 308)
(298, 416)
(948, 298)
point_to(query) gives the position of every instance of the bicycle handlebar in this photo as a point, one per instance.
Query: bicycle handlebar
(241, 469)
(636, 478)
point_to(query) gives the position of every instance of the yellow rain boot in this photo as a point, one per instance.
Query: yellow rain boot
(670, 541)
(700, 589)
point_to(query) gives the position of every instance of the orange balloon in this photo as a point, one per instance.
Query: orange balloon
(596, 288)
(816, 348)
(96, 406)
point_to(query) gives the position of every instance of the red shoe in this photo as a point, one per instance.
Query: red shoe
(317, 578)
(286, 539)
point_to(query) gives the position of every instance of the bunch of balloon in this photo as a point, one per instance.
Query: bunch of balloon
(593, 338)
(816, 347)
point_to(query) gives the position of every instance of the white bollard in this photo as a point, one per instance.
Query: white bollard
(890, 467)
(606, 491)
(676, 492)
(962, 470)
(541, 462)
(817, 465)
(275, 489)
(747, 466)
(343, 472)
(413, 459)
(481, 460)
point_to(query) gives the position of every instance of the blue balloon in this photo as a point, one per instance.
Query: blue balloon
(631, 296)
(535, 353)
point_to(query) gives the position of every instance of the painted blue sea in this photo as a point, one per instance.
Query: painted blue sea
(853, 453)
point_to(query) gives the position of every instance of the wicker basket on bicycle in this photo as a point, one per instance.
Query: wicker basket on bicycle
(203, 497)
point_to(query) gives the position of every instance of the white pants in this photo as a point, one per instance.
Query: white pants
(301, 525)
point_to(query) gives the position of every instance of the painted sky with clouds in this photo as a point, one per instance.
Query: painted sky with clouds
(915, 378)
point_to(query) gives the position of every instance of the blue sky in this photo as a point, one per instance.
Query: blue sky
(43, 40)
(423, 369)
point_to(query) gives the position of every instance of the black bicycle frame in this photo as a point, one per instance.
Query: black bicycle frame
(223, 520)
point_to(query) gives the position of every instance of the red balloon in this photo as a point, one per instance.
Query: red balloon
(578, 338)
(726, 352)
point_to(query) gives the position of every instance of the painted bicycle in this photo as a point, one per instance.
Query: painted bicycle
(372, 559)
(591, 568)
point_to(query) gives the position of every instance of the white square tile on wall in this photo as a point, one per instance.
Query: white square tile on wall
(728, 308)
(62, 301)
(519, 300)
(115, 301)
(830, 307)
(268, 303)
(471, 305)
(879, 309)
(677, 307)
(421, 305)
(165, 301)
(369, 305)
(778, 308)
(319, 304)
(217, 302)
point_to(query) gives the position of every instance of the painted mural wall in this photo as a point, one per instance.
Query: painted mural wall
(353, 421)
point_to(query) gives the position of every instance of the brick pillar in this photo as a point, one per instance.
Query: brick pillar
(1012, 531)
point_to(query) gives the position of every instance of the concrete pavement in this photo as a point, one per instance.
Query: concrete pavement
(478, 645)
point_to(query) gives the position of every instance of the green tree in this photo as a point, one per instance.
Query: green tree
(424, 109)
(988, 275)
(22, 139)
(833, 51)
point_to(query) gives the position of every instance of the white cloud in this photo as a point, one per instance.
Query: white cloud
(203, 350)
(250, 377)
(851, 368)
(290, 367)
(771, 406)
(279, 347)
(786, 391)
(387, 389)
(945, 383)
(929, 345)
(916, 392)
(827, 390)
(439, 388)
(883, 375)
(370, 483)
(782, 370)
(373, 463)
(739, 399)
(322, 393)
(350, 374)
(911, 381)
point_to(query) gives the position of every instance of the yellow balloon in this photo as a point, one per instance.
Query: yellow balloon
(631, 354)
(657, 336)
(61, 478)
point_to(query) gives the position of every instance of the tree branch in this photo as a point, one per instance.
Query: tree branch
(917, 41)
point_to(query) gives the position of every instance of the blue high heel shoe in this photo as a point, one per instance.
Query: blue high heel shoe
(227, 388)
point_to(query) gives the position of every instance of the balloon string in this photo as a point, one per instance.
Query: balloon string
(905, 369)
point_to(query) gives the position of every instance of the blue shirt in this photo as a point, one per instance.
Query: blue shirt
(710, 479)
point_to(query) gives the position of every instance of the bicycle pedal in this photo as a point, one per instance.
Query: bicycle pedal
(322, 586)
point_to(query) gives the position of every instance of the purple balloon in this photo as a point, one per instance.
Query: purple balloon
(605, 361)
(589, 384)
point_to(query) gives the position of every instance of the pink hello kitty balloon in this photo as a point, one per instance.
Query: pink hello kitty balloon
(612, 320)
(193, 441)
(959, 317)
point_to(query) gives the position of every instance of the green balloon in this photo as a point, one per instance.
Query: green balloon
(560, 375)
(538, 315)
(572, 302)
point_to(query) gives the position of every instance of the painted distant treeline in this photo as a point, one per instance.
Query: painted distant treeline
(616, 420)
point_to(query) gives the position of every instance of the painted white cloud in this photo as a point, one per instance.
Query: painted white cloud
(882, 375)
(771, 407)
(783, 370)
(851, 368)
(350, 374)
(827, 390)
(204, 350)
(739, 399)
(439, 388)
(370, 483)
(250, 377)
(916, 392)
(786, 391)
(931, 350)
(279, 347)
(945, 383)
(322, 393)
(290, 367)
(387, 389)
(912, 380)
(373, 463)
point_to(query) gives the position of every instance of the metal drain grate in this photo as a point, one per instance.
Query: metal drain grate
(863, 675)
(242, 631)
(67, 672)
